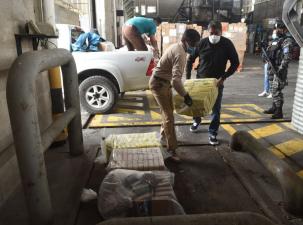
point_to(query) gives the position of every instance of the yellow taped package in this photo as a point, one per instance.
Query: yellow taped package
(131, 141)
(204, 93)
(143, 159)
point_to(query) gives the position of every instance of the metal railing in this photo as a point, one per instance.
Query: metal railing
(30, 143)
(291, 183)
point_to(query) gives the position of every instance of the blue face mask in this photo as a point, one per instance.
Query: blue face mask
(191, 50)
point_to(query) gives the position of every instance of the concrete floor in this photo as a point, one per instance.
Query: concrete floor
(205, 182)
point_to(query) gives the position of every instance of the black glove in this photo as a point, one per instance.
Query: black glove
(188, 100)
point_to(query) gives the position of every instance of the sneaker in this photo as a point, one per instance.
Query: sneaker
(269, 96)
(213, 140)
(263, 94)
(194, 127)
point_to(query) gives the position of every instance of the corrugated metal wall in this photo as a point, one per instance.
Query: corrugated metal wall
(297, 114)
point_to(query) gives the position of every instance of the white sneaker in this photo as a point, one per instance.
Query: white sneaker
(269, 96)
(263, 94)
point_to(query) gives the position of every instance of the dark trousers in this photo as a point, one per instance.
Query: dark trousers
(215, 115)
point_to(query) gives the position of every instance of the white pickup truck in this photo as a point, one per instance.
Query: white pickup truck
(103, 75)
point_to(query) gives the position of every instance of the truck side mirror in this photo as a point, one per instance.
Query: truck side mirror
(292, 10)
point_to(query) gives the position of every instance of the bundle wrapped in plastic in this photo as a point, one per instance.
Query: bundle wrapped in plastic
(204, 93)
(143, 159)
(131, 141)
(129, 193)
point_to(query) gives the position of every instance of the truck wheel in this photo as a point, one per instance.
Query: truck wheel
(98, 95)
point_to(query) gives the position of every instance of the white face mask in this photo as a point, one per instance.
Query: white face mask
(274, 36)
(214, 39)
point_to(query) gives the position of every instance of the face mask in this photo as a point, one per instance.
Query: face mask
(274, 36)
(214, 39)
(190, 50)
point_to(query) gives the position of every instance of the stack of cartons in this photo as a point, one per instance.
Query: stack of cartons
(171, 33)
(237, 33)
(203, 92)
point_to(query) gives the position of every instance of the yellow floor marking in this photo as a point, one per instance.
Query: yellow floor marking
(244, 111)
(151, 100)
(129, 103)
(128, 98)
(226, 116)
(245, 120)
(155, 115)
(121, 118)
(229, 128)
(277, 152)
(300, 173)
(290, 147)
(257, 108)
(289, 125)
(130, 111)
(266, 131)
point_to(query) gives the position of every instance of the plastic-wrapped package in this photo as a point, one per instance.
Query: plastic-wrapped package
(204, 93)
(131, 141)
(129, 193)
(143, 159)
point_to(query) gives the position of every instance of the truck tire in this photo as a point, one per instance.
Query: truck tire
(98, 95)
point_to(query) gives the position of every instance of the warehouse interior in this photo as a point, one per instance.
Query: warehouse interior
(255, 175)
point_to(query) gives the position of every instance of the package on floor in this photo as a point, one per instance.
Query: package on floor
(129, 193)
(130, 141)
(143, 159)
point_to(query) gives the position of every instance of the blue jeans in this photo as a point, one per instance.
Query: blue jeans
(266, 81)
(215, 115)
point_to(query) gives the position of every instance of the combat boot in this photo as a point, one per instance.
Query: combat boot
(270, 110)
(278, 113)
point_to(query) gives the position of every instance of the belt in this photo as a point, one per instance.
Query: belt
(161, 79)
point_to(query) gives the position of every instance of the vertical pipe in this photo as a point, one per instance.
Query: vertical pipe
(115, 23)
(72, 101)
(94, 17)
(54, 73)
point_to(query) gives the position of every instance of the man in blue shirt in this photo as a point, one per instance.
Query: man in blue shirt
(134, 29)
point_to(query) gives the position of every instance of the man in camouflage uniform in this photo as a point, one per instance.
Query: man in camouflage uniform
(279, 55)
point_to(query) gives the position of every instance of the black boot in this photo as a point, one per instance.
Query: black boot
(278, 113)
(270, 110)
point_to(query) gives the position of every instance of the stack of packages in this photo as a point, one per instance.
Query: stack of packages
(237, 33)
(204, 93)
(171, 33)
(138, 183)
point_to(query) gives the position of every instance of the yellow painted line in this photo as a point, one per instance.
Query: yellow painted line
(128, 98)
(229, 128)
(130, 111)
(254, 106)
(128, 103)
(266, 131)
(277, 152)
(244, 111)
(226, 116)
(290, 147)
(245, 120)
(300, 173)
(151, 100)
(289, 125)
(121, 118)
(155, 115)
